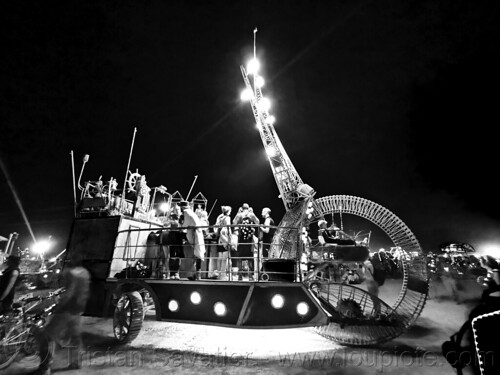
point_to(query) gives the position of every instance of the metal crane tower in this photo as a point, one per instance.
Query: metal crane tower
(292, 188)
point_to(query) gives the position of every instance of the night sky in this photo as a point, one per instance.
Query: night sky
(392, 101)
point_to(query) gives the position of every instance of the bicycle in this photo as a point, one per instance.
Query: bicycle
(17, 326)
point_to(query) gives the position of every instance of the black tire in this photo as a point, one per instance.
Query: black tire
(128, 317)
(11, 344)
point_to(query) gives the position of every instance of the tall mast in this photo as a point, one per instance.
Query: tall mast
(291, 187)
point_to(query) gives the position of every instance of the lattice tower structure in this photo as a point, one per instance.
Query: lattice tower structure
(291, 187)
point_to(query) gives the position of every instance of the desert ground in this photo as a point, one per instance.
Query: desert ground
(168, 348)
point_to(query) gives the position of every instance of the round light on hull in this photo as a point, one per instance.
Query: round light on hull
(277, 301)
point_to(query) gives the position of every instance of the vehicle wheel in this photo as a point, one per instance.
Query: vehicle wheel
(358, 318)
(128, 317)
(11, 344)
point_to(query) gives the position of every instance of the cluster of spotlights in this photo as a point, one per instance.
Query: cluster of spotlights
(278, 301)
(262, 103)
(195, 297)
(220, 309)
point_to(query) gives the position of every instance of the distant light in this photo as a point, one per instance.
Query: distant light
(220, 309)
(173, 305)
(195, 298)
(45, 275)
(52, 259)
(41, 247)
(58, 271)
(253, 66)
(271, 120)
(264, 104)
(163, 207)
(277, 301)
(491, 249)
(259, 81)
(302, 308)
(246, 95)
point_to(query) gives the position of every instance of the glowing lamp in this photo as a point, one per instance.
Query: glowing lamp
(163, 207)
(246, 95)
(264, 104)
(271, 120)
(491, 249)
(41, 247)
(195, 298)
(277, 301)
(302, 308)
(259, 81)
(220, 309)
(271, 152)
(173, 305)
(253, 66)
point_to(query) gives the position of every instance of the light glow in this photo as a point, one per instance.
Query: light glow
(195, 298)
(271, 152)
(264, 104)
(302, 308)
(491, 249)
(253, 66)
(277, 301)
(259, 82)
(271, 120)
(173, 305)
(163, 207)
(246, 95)
(41, 247)
(220, 309)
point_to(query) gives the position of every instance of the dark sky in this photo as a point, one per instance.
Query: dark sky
(392, 101)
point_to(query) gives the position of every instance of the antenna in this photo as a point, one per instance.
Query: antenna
(126, 172)
(74, 182)
(195, 178)
(85, 160)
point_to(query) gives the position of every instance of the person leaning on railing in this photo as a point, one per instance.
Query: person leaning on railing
(8, 282)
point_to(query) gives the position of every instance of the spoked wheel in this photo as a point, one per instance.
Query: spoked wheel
(12, 341)
(358, 318)
(128, 317)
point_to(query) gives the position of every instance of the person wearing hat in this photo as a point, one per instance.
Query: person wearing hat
(194, 236)
(245, 250)
(173, 240)
(8, 282)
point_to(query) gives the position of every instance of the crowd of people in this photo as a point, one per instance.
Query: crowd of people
(232, 248)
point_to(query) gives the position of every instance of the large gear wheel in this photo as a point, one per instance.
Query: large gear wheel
(390, 321)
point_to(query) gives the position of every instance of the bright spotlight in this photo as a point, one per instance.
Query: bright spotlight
(277, 301)
(195, 298)
(220, 309)
(253, 66)
(163, 207)
(264, 104)
(271, 120)
(246, 95)
(259, 81)
(41, 247)
(302, 308)
(173, 305)
(271, 152)
(491, 249)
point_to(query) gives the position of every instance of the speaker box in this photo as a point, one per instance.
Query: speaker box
(279, 269)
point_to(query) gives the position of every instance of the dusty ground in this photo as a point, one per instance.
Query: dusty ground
(168, 348)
